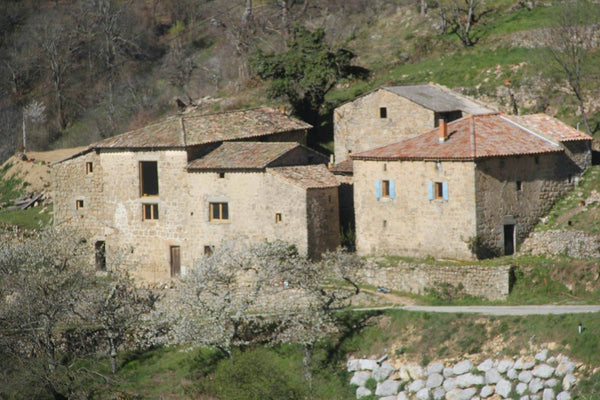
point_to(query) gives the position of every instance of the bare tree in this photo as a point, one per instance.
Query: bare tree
(34, 112)
(570, 41)
(460, 16)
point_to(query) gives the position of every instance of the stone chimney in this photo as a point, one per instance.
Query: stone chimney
(443, 130)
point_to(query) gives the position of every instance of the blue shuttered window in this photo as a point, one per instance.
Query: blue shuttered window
(378, 189)
(430, 190)
(392, 189)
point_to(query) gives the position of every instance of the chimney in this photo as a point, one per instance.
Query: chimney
(443, 130)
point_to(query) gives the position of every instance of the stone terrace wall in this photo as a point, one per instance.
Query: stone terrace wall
(489, 282)
(575, 244)
(530, 378)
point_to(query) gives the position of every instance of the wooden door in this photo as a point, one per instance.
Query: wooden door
(175, 261)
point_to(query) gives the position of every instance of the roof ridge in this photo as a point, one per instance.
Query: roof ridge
(229, 112)
(539, 135)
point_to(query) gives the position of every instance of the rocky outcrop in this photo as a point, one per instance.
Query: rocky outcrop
(576, 244)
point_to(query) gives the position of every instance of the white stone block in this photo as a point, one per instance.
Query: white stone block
(486, 365)
(542, 356)
(415, 386)
(505, 365)
(360, 378)
(548, 394)
(423, 394)
(525, 376)
(462, 367)
(388, 388)
(503, 387)
(492, 376)
(434, 380)
(486, 391)
(543, 371)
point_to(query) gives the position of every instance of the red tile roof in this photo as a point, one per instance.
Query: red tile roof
(243, 155)
(545, 124)
(344, 167)
(307, 176)
(495, 135)
(190, 130)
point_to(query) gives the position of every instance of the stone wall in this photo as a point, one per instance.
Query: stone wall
(575, 244)
(543, 179)
(359, 127)
(323, 220)
(531, 377)
(492, 283)
(410, 223)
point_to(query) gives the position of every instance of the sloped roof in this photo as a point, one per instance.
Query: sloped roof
(243, 155)
(307, 176)
(344, 167)
(545, 124)
(494, 135)
(439, 99)
(190, 130)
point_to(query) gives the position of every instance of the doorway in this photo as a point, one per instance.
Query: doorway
(509, 239)
(175, 261)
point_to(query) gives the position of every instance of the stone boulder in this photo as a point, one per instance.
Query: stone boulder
(435, 368)
(543, 371)
(388, 388)
(360, 378)
(415, 386)
(503, 387)
(504, 366)
(434, 380)
(362, 392)
(462, 367)
(485, 366)
(461, 394)
(492, 376)
(423, 394)
(380, 374)
(466, 380)
(568, 381)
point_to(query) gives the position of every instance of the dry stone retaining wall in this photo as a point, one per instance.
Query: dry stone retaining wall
(531, 378)
(489, 282)
(575, 244)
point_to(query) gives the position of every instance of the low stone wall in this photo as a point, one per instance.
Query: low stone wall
(492, 283)
(575, 244)
(531, 378)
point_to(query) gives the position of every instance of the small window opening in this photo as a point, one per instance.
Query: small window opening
(519, 186)
(148, 178)
(149, 211)
(79, 204)
(329, 198)
(221, 175)
(382, 112)
(277, 218)
(385, 188)
(439, 190)
(218, 212)
(537, 159)
(384, 166)
(384, 223)
(208, 250)
(89, 168)
(570, 178)
(349, 151)
(175, 253)
(100, 255)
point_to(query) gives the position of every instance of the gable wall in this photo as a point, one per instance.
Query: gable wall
(358, 127)
(415, 225)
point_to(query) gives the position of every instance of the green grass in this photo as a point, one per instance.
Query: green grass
(10, 187)
(34, 218)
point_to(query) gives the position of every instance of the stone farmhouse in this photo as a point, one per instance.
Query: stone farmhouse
(477, 185)
(393, 113)
(162, 196)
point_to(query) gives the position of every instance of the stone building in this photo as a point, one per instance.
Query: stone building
(162, 196)
(478, 184)
(393, 113)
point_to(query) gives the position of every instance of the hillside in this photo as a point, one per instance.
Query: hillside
(199, 53)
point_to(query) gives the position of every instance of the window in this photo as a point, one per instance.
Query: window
(221, 175)
(277, 218)
(89, 168)
(148, 178)
(149, 211)
(438, 191)
(384, 166)
(208, 250)
(79, 204)
(175, 253)
(382, 112)
(100, 255)
(219, 212)
(384, 223)
(519, 186)
(537, 159)
(385, 188)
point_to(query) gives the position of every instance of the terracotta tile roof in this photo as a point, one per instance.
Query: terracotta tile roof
(495, 136)
(190, 130)
(344, 167)
(307, 176)
(439, 98)
(545, 124)
(243, 155)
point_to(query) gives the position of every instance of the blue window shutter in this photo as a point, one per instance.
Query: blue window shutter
(430, 190)
(445, 189)
(378, 189)
(392, 189)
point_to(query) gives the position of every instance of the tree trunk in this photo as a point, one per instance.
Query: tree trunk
(307, 362)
